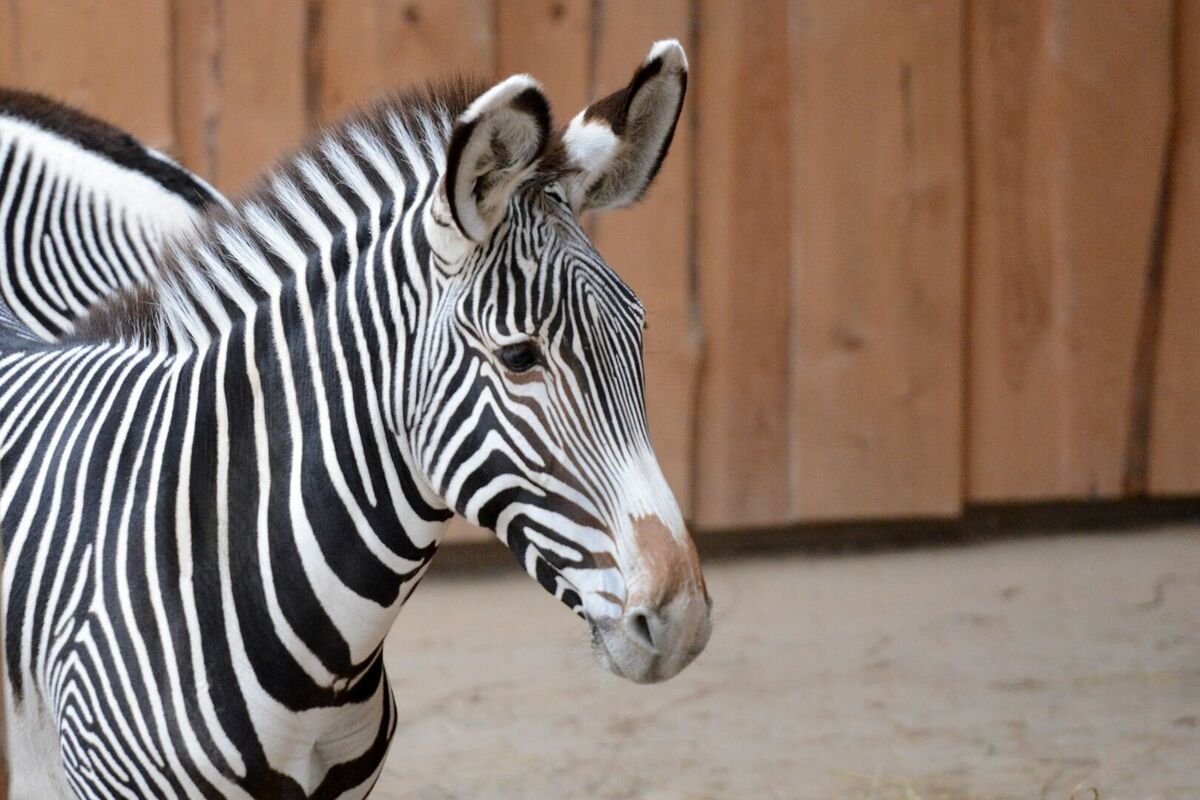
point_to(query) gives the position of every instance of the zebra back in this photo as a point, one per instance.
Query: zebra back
(86, 210)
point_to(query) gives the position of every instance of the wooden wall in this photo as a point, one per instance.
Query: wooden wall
(906, 255)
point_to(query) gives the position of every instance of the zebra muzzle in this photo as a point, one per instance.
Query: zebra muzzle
(666, 619)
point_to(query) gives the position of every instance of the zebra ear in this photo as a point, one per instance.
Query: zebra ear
(617, 144)
(493, 145)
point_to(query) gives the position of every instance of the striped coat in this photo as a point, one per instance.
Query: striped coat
(220, 486)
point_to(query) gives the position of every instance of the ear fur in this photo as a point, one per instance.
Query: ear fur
(618, 143)
(492, 147)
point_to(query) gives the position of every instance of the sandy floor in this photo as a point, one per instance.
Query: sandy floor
(1023, 669)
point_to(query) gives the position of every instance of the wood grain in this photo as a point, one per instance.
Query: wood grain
(1070, 102)
(879, 189)
(878, 221)
(240, 85)
(368, 48)
(58, 47)
(743, 243)
(196, 30)
(551, 40)
(10, 45)
(648, 244)
(1175, 418)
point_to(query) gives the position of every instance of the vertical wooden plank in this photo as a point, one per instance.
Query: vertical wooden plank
(878, 236)
(741, 78)
(240, 77)
(1175, 418)
(1069, 109)
(368, 48)
(551, 40)
(648, 244)
(262, 105)
(8, 45)
(57, 47)
(196, 54)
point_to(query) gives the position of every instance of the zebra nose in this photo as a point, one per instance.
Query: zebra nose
(647, 627)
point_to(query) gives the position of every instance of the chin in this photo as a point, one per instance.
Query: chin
(627, 660)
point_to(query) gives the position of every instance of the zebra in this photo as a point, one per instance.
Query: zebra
(219, 488)
(86, 211)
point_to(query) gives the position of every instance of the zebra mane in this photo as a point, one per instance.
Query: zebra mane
(250, 248)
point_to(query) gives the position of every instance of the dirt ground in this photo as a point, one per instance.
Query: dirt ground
(1036, 668)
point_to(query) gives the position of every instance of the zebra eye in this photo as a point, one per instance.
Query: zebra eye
(520, 357)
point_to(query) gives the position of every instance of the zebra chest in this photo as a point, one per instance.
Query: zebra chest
(181, 733)
(310, 747)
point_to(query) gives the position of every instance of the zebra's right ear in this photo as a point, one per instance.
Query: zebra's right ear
(494, 145)
(617, 144)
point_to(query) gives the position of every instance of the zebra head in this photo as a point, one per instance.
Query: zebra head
(535, 345)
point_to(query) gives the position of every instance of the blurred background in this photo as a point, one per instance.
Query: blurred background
(905, 256)
(912, 267)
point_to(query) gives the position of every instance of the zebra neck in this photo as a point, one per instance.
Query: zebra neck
(316, 480)
(302, 313)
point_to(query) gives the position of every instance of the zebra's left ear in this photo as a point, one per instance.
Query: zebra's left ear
(617, 144)
(494, 144)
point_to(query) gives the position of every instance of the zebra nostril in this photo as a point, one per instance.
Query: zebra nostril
(641, 629)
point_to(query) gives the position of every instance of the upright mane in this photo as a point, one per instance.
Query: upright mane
(231, 247)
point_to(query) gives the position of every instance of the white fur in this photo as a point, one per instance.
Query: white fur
(146, 206)
(34, 765)
(137, 190)
(499, 95)
(591, 145)
(494, 118)
(671, 52)
(614, 170)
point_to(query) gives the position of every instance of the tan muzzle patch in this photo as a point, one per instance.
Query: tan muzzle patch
(667, 565)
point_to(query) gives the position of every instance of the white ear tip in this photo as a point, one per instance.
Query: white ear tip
(671, 52)
(500, 94)
(515, 84)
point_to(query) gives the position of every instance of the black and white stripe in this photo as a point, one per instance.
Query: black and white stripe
(219, 490)
(86, 211)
